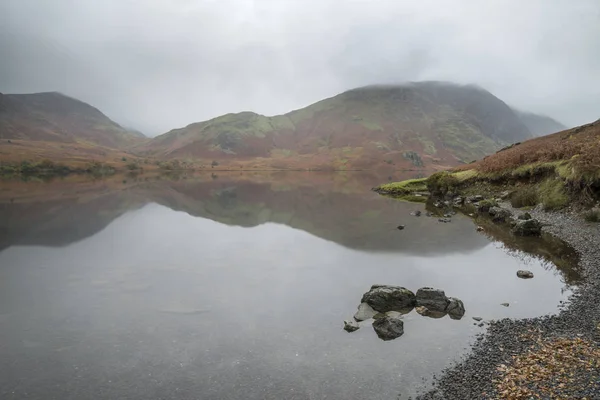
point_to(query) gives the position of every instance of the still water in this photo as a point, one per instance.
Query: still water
(236, 287)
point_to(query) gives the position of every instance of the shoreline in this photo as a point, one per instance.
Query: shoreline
(472, 377)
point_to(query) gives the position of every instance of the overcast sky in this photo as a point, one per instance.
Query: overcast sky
(161, 64)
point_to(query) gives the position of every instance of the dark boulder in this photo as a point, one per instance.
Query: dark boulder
(529, 227)
(499, 214)
(432, 299)
(455, 308)
(385, 298)
(389, 327)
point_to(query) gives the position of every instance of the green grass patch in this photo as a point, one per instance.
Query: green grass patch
(404, 188)
(553, 195)
(524, 197)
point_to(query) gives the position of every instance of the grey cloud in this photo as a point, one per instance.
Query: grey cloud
(157, 65)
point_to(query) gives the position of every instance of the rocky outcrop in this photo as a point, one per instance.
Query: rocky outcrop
(364, 312)
(389, 327)
(529, 227)
(385, 298)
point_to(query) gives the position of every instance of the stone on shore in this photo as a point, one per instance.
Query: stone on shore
(529, 227)
(499, 214)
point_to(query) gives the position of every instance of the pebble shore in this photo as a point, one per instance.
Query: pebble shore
(476, 375)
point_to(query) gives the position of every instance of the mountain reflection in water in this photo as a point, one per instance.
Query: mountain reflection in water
(236, 286)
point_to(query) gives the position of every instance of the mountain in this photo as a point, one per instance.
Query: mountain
(540, 125)
(415, 125)
(54, 117)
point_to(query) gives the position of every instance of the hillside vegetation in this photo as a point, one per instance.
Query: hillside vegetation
(54, 117)
(554, 171)
(427, 125)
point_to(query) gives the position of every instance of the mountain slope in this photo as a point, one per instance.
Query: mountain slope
(54, 117)
(413, 125)
(540, 125)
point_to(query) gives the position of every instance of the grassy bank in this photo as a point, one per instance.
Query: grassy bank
(555, 171)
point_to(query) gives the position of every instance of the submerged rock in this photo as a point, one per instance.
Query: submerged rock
(385, 298)
(416, 213)
(445, 220)
(400, 227)
(505, 304)
(524, 274)
(351, 326)
(432, 299)
(455, 308)
(529, 227)
(389, 327)
(364, 312)
(477, 319)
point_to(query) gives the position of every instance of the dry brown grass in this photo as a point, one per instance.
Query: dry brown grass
(580, 146)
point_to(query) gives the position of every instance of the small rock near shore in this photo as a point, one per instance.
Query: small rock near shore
(530, 227)
(444, 220)
(400, 227)
(351, 326)
(388, 327)
(477, 319)
(416, 213)
(480, 229)
(499, 214)
(523, 274)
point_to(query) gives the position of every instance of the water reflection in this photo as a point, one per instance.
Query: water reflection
(160, 289)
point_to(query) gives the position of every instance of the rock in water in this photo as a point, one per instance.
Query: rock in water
(388, 327)
(416, 213)
(455, 308)
(426, 312)
(529, 227)
(400, 227)
(433, 299)
(499, 214)
(364, 312)
(505, 304)
(351, 326)
(524, 274)
(385, 298)
(480, 229)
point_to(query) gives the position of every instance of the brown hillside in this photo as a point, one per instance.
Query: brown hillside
(580, 146)
(53, 117)
(426, 125)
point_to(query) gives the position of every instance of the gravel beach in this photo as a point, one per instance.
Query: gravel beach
(486, 372)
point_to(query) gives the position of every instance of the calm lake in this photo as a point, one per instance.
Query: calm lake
(236, 286)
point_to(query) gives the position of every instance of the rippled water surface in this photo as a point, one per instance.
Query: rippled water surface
(236, 287)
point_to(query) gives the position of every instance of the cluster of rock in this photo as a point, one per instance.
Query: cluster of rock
(386, 304)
